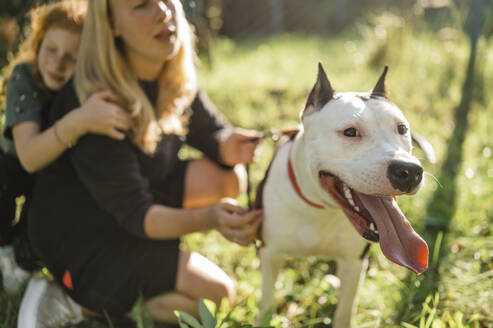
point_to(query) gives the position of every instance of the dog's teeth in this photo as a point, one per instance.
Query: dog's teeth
(372, 227)
(347, 192)
(356, 208)
(351, 201)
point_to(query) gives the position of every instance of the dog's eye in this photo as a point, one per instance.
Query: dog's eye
(351, 132)
(402, 129)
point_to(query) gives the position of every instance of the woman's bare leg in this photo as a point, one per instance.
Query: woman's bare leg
(197, 278)
(206, 183)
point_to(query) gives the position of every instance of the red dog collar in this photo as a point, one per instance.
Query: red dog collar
(296, 186)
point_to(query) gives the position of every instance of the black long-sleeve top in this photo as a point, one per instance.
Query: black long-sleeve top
(103, 184)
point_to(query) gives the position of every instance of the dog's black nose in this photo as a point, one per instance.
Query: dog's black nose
(404, 176)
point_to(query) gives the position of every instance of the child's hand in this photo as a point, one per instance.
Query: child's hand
(101, 116)
(237, 224)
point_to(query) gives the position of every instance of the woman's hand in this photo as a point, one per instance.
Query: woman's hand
(100, 115)
(239, 147)
(236, 223)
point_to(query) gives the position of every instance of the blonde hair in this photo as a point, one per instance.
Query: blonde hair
(68, 15)
(102, 65)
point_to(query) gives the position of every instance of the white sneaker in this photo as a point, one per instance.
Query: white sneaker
(12, 275)
(45, 305)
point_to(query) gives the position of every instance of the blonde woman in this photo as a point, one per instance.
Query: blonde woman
(44, 63)
(116, 209)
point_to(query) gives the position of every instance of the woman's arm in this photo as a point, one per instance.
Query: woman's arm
(233, 222)
(206, 127)
(37, 149)
(162, 222)
(210, 132)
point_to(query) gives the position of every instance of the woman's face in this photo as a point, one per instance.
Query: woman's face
(147, 28)
(56, 57)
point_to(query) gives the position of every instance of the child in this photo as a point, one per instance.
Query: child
(44, 63)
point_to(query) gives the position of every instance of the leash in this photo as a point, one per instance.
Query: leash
(249, 188)
(275, 136)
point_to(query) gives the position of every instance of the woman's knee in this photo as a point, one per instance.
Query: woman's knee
(206, 183)
(234, 182)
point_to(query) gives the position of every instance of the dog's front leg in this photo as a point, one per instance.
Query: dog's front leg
(351, 273)
(271, 262)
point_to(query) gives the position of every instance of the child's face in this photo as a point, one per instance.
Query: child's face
(56, 58)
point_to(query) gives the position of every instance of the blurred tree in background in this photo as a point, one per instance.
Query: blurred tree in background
(8, 36)
(17, 9)
(12, 21)
(243, 18)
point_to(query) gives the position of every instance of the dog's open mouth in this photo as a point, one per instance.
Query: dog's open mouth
(379, 218)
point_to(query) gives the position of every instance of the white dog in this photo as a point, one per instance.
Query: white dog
(332, 189)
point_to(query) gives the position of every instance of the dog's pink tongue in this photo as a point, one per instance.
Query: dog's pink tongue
(398, 241)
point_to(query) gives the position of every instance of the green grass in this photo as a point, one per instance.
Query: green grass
(262, 83)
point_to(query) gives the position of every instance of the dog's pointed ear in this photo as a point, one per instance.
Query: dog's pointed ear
(321, 93)
(379, 89)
